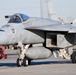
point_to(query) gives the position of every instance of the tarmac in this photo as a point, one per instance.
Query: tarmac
(50, 66)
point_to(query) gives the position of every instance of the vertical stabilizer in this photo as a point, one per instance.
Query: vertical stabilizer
(46, 9)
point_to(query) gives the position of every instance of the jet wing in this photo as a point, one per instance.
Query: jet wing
(55, 28)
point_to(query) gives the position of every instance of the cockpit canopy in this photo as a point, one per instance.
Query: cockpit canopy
(18, 18)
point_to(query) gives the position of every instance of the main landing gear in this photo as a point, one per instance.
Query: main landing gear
(73, 57)
(23, 60)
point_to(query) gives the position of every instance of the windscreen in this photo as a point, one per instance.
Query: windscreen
(24, 17)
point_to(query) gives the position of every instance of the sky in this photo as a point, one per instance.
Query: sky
(62, 8)
(65, 8)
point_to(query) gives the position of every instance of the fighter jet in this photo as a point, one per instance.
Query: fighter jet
(37, 38)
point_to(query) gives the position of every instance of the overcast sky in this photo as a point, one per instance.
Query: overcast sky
(63, 8)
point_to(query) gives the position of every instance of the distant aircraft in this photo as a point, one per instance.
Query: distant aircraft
(38, 38)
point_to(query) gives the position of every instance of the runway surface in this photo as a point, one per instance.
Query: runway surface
(50, 66)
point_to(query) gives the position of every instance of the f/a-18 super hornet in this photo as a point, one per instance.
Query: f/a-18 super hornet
(38, 38)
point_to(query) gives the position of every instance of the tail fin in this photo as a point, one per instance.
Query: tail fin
(46, 9)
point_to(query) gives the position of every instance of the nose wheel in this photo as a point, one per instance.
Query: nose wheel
(19, 62)
(25, 62)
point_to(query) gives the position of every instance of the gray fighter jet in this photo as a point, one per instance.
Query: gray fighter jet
(38, 37)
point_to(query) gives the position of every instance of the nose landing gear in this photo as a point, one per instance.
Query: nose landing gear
(22, 58)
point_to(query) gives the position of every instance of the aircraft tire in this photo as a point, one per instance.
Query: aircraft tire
(19, 62)
(73, 57)
(26, 62)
